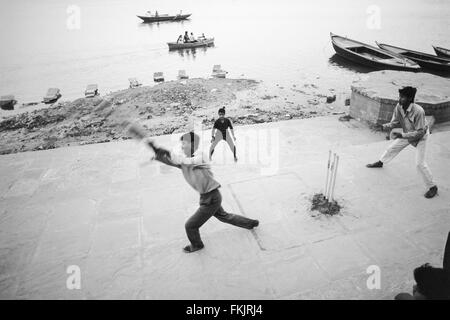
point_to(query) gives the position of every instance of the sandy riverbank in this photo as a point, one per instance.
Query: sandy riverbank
(163, 109)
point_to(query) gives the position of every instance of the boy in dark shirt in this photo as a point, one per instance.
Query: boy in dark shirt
(197, 172)
(220, 132)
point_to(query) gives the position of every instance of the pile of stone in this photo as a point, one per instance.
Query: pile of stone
(31, 120)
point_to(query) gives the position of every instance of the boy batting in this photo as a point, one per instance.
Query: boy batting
(197, 173)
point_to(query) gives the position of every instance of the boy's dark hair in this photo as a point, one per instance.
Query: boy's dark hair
(409, 92)
(193, 139)
(433, 283)
(222, 110)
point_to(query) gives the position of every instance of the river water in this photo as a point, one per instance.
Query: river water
(71, 43)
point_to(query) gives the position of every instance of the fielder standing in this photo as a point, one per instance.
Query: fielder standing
(411, 117)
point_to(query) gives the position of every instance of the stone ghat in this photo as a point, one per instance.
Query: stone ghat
(375, 95)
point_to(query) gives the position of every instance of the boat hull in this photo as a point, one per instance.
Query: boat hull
(425, 60)
(164, 18)
(177, 46)
(346, 53)
(7, 105)
(48, 100)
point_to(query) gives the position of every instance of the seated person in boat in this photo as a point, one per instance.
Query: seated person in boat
(202, 37)
(156, 13)
(192, 38)
(180, 39)
(186, 37)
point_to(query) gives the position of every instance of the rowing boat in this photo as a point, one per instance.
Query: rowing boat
(91, 91)
(370, 56)
(7, 102)
(187, 45)
(53, 94)
(164, 17)
(425, 60)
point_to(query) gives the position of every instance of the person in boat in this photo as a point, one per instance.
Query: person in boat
(197, 172)
(192, 38)
(202, 37)
(220, 132)
(180, 39)
(156, 13)
(186, 37)
(411, 117)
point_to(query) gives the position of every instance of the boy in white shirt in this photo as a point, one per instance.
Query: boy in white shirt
(197, 172)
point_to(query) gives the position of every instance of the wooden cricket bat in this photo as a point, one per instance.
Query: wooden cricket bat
(138, 133)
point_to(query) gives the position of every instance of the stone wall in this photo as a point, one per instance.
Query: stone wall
(373, 98)
(377, 111)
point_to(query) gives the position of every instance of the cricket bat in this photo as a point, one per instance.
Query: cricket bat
(138, 133)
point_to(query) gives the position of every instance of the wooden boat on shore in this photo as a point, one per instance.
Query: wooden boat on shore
(182, 75)
(134, 83)
(53, 94)
(187, 45)
(442, 52)
(218, 72)
(7, 102)
(158, 77)
(425, 60)
(164, 17)
(91, 91)
(370, 56)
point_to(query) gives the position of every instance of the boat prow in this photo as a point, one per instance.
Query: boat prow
(442, 52)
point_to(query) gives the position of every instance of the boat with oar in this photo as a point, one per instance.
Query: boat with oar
(194, 44)
(442, 52)
(163, 17)
(425, 60)
(370, 56)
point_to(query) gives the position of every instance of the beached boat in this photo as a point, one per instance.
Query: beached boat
(158, 77)
(182, 75)
(53, 94)
(7, 102)
(442, 52)
(425, 60)
(369, 55)
(187, 45)
(218, 72)
(164, 17)
(91, 91)
(134, 83)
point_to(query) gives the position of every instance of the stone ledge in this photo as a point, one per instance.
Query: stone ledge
(376, 94)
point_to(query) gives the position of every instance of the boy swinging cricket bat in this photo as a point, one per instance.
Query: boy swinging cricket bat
(197, 172)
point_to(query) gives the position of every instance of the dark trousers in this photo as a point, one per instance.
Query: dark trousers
(211, 205)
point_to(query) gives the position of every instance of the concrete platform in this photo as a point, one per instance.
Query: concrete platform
(375, 95)
(122, 224)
